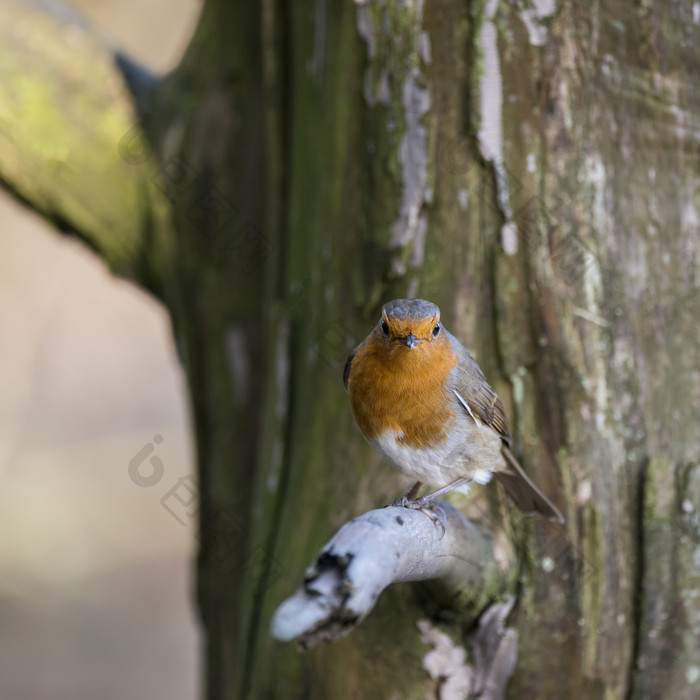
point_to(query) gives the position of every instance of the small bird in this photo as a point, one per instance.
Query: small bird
(423, 402)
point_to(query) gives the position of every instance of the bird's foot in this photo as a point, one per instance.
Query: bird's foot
(409, 496)
(425, 506)
(399, 502)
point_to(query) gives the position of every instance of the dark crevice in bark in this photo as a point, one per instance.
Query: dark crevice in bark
(279, 91)
(638, 583)
(280, 502)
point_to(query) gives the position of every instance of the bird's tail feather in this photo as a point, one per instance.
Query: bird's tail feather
(526, 496)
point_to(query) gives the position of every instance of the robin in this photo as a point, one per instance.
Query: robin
(423, 402)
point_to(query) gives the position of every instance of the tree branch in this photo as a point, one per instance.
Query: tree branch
(377, 549)
(66, 114)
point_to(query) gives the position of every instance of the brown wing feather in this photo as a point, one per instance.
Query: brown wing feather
(523, 491)
(487, 407)
(482, 399)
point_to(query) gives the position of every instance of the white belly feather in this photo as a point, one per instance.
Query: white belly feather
(472, 450)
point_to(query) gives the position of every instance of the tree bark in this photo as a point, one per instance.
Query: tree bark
(533, 169)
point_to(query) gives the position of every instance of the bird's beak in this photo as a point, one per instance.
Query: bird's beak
(410, 340)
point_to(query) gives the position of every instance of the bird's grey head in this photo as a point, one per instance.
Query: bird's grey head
(410, 309)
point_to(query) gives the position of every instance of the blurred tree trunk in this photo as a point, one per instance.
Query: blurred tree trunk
(531, 168)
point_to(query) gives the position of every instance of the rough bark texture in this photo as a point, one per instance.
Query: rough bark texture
(532, 168)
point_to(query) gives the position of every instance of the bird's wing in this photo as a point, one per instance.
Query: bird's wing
(348, 366)
(525, 494)
(480, 400)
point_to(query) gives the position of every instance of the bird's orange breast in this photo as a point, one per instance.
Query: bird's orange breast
(403, 390)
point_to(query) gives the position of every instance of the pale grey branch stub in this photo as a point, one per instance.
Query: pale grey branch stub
(377, 549)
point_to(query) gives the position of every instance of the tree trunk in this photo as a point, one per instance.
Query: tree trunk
(535, 172)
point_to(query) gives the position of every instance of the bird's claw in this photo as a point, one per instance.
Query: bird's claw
(398, 503)
(425, 506)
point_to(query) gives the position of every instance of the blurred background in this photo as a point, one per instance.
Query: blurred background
(95, 556)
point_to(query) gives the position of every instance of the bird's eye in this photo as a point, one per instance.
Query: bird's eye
(436, 330)
(385, 328)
